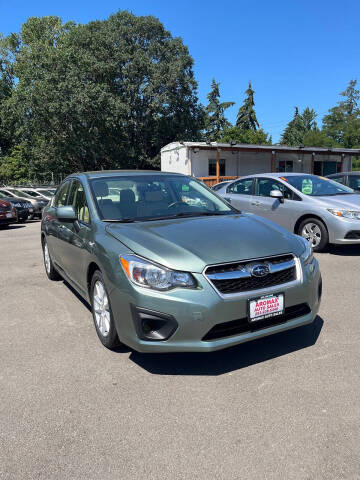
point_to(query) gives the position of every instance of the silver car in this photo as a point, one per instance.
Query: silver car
(318, 209)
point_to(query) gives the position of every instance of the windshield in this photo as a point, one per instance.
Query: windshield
(47, 193)
(32, 193)
(2, 195)
(152, 197)
(316, 186)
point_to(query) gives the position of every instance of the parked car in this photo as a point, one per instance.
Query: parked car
(23, 208)
(350, 179)
(33, 192)
(164, 275)
(46, 192)
(219, 185)
(38, 204)
(320, 210)
(7, 213)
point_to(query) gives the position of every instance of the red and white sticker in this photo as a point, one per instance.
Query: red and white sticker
(266, 307)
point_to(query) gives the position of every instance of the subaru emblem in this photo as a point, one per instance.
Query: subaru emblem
(260, 270)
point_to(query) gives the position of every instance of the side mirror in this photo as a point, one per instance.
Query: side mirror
(277, 194)
(67, 213)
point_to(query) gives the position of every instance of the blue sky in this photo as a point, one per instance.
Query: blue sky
(295, 52)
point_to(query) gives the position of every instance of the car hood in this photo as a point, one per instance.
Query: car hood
(347, 202)
(192, 243)
(15, 200)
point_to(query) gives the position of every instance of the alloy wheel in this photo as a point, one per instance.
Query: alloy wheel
(47, 258)
(101, 308)
(312, 233)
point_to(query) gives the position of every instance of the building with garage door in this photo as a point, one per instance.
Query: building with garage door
(214, 162)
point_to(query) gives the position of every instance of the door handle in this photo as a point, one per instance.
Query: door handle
(256, 204)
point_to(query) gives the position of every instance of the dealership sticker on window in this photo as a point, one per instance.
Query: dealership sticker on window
(307, 186)
(266, 307)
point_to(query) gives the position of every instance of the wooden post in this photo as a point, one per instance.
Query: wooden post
(312, 162)
(217, 166)
(342, 162)
(272, 161)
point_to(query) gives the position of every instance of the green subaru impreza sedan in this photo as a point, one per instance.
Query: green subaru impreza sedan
(167, 265)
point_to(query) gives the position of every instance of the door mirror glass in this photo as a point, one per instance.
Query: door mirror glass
(67, 213)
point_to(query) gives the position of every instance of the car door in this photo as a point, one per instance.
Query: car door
(75, 237)
(283, 213)
(52, 225)
(239, 194)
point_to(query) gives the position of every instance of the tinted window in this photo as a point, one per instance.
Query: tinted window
(266, 185)
(354, 182)
(78, 200)
(339, 179)
(218, 186)
(242, 187)
(60, 198)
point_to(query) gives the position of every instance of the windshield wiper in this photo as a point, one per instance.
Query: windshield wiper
(122, 220)
(186, 214)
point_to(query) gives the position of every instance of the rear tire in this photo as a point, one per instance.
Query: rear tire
(50, 270)
(314, 230)
(102, 312)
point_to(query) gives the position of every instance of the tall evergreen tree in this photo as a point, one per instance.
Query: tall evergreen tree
(298, 127)
(342, 123)
(246, 117)
(215, 121)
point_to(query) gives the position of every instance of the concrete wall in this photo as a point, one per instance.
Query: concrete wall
(175, 158)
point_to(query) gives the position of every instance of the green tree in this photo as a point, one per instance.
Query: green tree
(342, 124)
(319, 138)
(215, 121)
(246, 117)
(14, 167)
(106, 94)
(250, 137)
(299, 126)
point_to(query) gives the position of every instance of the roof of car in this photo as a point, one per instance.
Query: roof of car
(108, 173)
(343, 173)
(277, 175)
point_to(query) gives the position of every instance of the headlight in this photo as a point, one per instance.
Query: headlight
(307, 254)
(147, 274)
(352, 214)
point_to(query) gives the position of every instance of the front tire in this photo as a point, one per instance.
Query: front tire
(102, 312)
(315, 232)
(50, 270)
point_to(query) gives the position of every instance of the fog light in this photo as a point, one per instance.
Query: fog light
(153, 326)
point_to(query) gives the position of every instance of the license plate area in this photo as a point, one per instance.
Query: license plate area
(266, 306)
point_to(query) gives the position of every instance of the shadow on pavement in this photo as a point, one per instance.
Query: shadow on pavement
(13, 226)
(77, 295)
(344, 250)
(234, 358)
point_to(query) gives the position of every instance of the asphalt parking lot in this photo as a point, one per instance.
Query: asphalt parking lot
(286, 406)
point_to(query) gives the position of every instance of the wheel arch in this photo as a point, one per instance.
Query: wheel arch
(90, 272)
(304, 217)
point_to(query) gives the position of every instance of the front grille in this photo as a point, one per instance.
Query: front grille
(236, 277)
(236, 327)
(353, 235)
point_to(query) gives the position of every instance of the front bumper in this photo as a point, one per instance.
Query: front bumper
(197, 311)
(5, 220)
(343, 231)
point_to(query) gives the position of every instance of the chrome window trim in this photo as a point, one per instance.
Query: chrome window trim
(253, 293)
